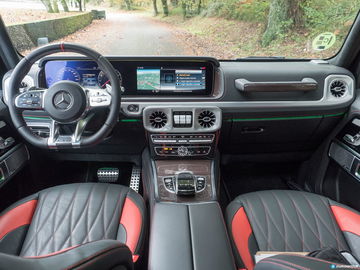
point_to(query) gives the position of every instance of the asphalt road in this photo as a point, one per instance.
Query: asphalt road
(128, 34)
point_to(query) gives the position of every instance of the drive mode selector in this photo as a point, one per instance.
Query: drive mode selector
(183, 151)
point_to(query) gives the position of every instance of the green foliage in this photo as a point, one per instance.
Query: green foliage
(251, 11)
(330, 15)
(188, 8)
(316, 16)
(213, 9)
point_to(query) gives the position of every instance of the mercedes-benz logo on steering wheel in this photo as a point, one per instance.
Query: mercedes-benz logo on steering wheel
(62, 100)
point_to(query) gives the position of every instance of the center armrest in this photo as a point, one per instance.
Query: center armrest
(189, 236)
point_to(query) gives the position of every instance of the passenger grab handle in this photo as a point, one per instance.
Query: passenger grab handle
(306, 84)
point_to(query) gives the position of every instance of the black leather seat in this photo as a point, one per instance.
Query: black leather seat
(290, 221)
(76, 221)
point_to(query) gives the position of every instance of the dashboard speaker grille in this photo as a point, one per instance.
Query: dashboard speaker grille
(338, 88)
(206, 119)
(158, 119)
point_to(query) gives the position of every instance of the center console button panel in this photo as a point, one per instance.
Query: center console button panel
(182, 151)
(185, 183)
(182, 138)
(169, 183)
(201, 180)
(182, 145)
(183, 119)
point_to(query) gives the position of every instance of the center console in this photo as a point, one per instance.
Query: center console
(182, 144)
(180, 169)
(182, 132)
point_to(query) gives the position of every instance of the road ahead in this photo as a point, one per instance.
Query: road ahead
(129, 34)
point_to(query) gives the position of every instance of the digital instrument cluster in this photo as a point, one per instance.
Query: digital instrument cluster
(86, 73)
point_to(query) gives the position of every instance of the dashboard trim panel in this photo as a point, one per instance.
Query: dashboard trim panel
(223, 87)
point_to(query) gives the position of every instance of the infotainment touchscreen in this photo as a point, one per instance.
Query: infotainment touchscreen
(161, 79)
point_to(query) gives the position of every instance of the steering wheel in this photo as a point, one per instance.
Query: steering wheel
(65, 102)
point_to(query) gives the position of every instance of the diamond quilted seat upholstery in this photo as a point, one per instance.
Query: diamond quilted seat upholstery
(294, 221)
(68, 216)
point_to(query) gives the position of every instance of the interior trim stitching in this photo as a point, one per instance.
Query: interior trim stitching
(267, 210)
(257, 223)
(288, 263)
(290, 221)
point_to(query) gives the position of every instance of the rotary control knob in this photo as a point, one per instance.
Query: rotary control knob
(183, 151)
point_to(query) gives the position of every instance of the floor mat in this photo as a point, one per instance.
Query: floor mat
(244, 178)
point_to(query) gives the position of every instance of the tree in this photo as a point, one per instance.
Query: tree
(80, 4)
(174, 3)
(128, 4)
(283, 15)
(48, 6)
(199, 5)
(184, 8)
(156, 12)
(55, 6)
(165, 7)
(65, 5)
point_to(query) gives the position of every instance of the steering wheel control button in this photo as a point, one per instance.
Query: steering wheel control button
(65, 101)
(99, 98)
(30, 100)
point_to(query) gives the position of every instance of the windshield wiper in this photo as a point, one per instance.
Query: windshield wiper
(260, 58)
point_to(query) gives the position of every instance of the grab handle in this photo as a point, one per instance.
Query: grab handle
(306, 84)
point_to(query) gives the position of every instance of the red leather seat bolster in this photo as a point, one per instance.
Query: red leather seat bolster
(241, 232)
(347, 220)
(131, 219)
(19, 216)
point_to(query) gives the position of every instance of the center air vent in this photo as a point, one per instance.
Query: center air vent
(338, 88)
(206, 119)
(158, 119)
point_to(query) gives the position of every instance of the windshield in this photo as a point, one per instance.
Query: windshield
(225, 29)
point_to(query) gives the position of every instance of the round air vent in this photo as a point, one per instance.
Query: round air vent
(338, 88)
(158, 119)
(206, 119)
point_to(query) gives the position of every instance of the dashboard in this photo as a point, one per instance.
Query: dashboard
(137, 78)
(277, 106)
